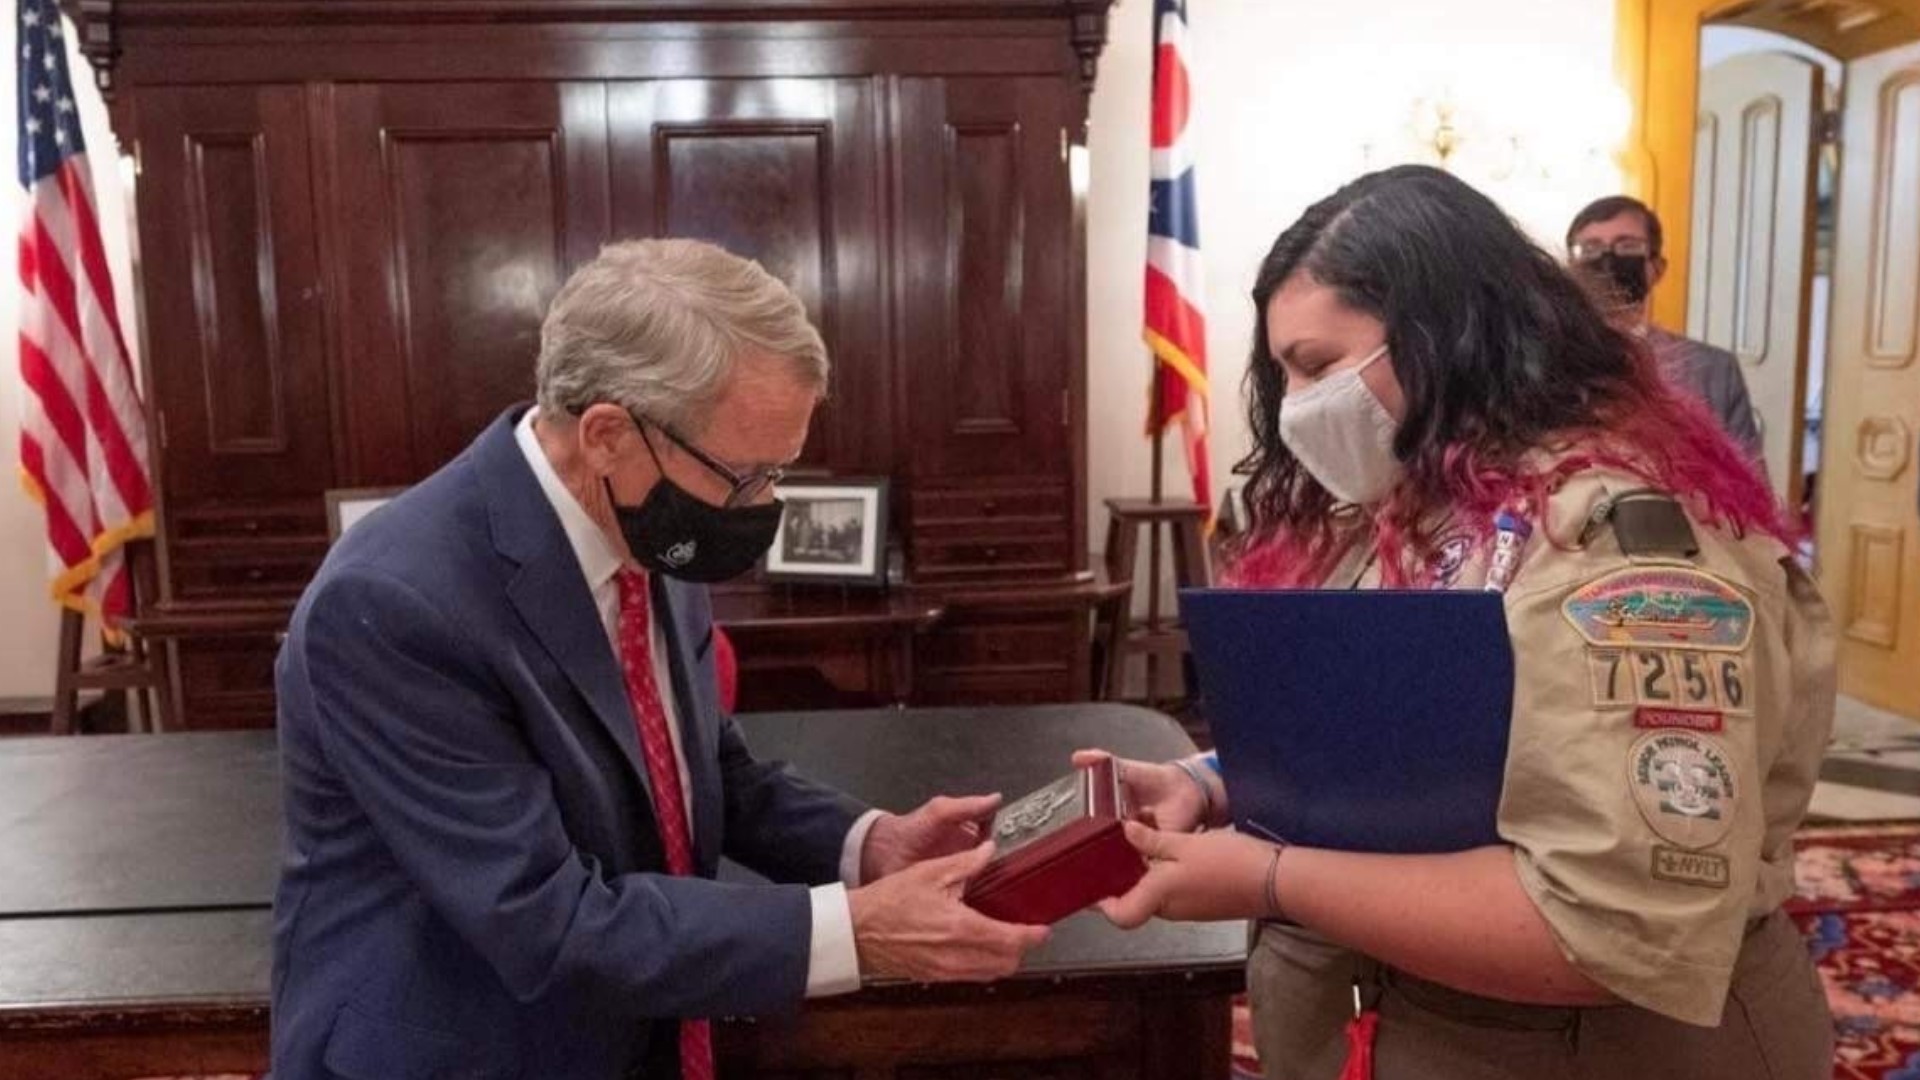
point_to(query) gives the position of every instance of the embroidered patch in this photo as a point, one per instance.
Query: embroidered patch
(1684, 787)
(1689, 679)
(1686, 719)
(1451, 559)
(1604, 671)
(1691, 867)
(1661, 606)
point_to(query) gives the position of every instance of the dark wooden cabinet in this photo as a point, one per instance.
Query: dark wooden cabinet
(990, 309)
(987, 256)
(456, 211)
(352, 217)
(788, 172)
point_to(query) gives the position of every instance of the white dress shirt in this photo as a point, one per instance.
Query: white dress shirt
(833, 965)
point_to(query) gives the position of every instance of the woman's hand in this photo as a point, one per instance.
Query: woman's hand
(1206, 878)
(1160, 794)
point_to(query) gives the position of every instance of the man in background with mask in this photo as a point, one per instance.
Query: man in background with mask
(508, 782)
(1615, 245)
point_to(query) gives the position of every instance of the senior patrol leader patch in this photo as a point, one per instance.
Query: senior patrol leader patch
(1661, 605)
(1684, 787)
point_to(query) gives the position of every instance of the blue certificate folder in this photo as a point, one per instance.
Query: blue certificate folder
(1360, 720)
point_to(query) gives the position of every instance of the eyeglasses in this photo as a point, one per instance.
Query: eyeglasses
(1627, 247)
(743, 487)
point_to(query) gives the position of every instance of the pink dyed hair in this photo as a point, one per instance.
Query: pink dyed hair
(1640, 426)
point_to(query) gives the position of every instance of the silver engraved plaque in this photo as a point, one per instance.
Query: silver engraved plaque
(1033, 816)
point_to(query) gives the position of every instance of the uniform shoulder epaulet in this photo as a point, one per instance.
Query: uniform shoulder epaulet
(1649, 524)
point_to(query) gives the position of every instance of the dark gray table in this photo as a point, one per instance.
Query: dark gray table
(137, 823)
(136, 877)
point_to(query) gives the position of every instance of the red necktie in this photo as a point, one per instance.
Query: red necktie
(669, 802)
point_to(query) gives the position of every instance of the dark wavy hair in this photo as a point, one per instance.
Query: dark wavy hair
(1513, 382)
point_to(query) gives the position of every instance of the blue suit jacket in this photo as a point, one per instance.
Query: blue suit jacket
(472, 882)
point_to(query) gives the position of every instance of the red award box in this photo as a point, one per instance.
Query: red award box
(1060, 849)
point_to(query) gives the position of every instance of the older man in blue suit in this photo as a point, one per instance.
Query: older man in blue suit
(508, 781)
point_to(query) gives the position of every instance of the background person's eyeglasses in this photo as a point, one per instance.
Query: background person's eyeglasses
(1627, 247)
(743, 487)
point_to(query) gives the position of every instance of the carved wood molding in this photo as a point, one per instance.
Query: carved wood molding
(1883, 448)
(247, 13)
(99, 40)
(1089, 37)
(102, 24)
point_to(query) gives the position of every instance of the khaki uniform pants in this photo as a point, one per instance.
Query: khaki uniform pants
(1776, 1025)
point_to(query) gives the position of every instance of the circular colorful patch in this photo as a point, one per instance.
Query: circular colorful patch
(1684, 787)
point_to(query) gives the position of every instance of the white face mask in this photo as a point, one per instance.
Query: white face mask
(1343, 435)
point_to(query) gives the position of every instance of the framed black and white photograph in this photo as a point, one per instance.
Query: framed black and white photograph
(834, 532)
(345, 506)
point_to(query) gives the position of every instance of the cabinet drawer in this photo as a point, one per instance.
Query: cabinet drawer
(1041, 643)
(202, 575)
(974, 506)
(226, 682)
(247, 522)
(948, 556)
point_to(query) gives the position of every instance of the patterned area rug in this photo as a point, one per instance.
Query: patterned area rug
(1857, 900)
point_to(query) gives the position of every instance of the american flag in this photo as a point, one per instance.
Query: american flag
(1176, 330)
(83, 437)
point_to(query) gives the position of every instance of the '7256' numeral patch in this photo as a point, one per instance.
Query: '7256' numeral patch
(1671, 679)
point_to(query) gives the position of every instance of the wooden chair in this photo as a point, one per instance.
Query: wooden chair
(134, 668)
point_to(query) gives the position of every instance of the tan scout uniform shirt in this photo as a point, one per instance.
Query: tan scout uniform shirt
(1669, 719)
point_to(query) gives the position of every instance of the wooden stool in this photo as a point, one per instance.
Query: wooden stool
(133, 669)
(1156, 637)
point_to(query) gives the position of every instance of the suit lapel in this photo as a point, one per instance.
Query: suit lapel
(549, 591)
(553, 599)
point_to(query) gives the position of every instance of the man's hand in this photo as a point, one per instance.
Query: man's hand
(1207, 878)
(912, 925)
(1160, 794)
(942, 827)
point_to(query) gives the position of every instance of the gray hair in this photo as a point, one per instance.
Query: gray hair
(657, 326)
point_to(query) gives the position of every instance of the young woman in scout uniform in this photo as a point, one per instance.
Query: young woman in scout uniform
(1436, 404)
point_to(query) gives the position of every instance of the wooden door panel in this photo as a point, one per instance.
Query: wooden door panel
(459, 211)
(785, 172)
(1752, 250)
(1869, 531)
(233, 305)
(986, 237)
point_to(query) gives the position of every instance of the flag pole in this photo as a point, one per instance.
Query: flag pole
(1158, 411)
(1157, 420)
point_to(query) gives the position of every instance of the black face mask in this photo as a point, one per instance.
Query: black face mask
(675, 534)
(1624, 277)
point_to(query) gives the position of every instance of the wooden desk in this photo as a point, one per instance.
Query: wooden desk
(841, 648)
(139, 944)
(826, 648)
